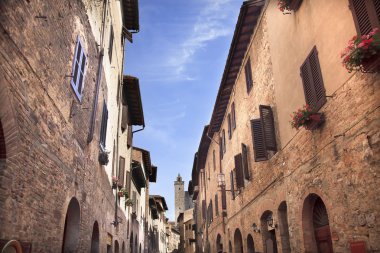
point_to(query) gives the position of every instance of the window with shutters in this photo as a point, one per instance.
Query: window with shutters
(244, 154)
(216, 205)
(233, 116)
(248, 75)
(229, 126)
(224, 198)
(124, 118)
(366, 14)
(121, 171)
(224, 141)
(314, 90)
(263, 134)
(110, 48)
(103, 127)
(221, 147)
(204, 210)
(79, 68)
(213, 160)
(239, 172)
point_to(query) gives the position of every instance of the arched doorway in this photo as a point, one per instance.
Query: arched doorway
(123, 248)
(116, 247)
(72, 227)
(131, 243)
(229, 247)
(219, 244)
(238, 241)
(284, 227)
(250, 244)
(140, 248)
(95, 238)
(317, 235)
(136, 248)
(268, 232)
(3, 151)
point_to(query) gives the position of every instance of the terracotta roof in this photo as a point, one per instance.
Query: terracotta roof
(132, 97)
(248, 17)
(131, 14)
(163, 202)
(146, 160)
(203, 149)
(194, 172)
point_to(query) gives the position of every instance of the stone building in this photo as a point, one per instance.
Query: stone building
(66, 117)
(173, 237)
(261, 186)
(182, 198)
(159, 223)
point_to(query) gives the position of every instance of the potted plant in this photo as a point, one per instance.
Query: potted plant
(103, 157)
(114, 182)
(288, 5)
(124, 193)
(128, 202)
(307, 117)
(363, 53)
(120, 194)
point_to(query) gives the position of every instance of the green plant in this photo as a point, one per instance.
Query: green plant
(125, 192)
(360, 49)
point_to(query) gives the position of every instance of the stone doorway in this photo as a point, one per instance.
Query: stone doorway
(269, 232)
(238, 242)
(95, 238)
(250, 244)
(219, 244)
(72, 227)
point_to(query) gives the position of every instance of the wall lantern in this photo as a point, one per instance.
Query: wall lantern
(255, 228)
(221, 180)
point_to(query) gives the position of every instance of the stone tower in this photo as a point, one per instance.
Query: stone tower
(179, 194)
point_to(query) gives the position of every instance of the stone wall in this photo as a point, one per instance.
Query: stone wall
(48, 159)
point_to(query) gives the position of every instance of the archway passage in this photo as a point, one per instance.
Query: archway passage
(3, 152)
(322, 227)
(284, 227)
(131, 243)
(315, 222)
(268, 232)
(116, 247)
(229, 247)
(95, 238)
(123, 248)
(238, 242)
(250, 244)
(72, 227)
(219, 244)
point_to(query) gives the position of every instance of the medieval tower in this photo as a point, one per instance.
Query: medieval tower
(179, 194)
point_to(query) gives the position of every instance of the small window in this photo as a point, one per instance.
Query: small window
(366, 14)
(239, 171)
(248, 75)
(213, 160)
(110, 48)
(244, 154)
(79, 68)
(314, 90)
(121, 171)
(224, 141)
(233, 116)
(229, 126)
(221, 147)
(103, 127)
(232, 184)
(216, 205)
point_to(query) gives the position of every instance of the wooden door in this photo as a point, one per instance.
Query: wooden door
(323, 239)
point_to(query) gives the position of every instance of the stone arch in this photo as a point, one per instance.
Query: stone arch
(123, 248)
(316, 225)
(238, 241)
(250, 244)
(268, 232)
(116, 247)
(284, 227)
(219, 244)
(95, 238)
(72, 227)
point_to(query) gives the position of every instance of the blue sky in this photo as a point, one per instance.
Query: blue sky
(179, 57)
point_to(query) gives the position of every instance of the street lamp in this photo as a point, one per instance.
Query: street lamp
(221, 180)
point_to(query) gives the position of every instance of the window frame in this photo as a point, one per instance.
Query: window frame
(76, 84)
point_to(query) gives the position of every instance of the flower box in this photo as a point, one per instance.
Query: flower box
(315, 121)
(120, 194)
(289, 5)
(363, 53)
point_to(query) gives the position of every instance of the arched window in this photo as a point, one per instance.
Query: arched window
(250, 244)
(72, 226)
(116, 247)
(268, 232)
(317, 235)
(238, 241)
(284, 227)
(95, 238)
(219, 244)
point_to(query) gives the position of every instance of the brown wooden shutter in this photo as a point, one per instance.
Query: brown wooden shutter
(204, 210)
(258, 141)
(229, 126)
(239, 171)
(232, 184)
(244, 153)
(224, 199)
(128, 182)
(129, 136)
(216, 205)
(221, 147)
(267, 123)
(211, 212)
(121, 170)
(233, 115)
(314, 90)
(124, 118)
(366, 15)
(248, 75)
(224, 140)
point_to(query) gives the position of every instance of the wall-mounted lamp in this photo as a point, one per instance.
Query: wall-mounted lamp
(255, 228)
(221, 180)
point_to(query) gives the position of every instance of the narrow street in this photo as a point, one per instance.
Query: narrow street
(203, 126)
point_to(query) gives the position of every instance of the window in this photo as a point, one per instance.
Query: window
(216, 205)
(229, 126)
(121, 170)
(232, 184)
(213, 159)
(221, 147)
(233, 116)
(244, 154)
(103, 127)
(366, 15)
(239, 171)
(248, 75)
(263, 134)
(79, 67)
(110, 48)
(315, 94)
(224, 141)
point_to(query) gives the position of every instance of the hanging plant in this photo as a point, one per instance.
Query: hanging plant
(307, 117)
(288, 5)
